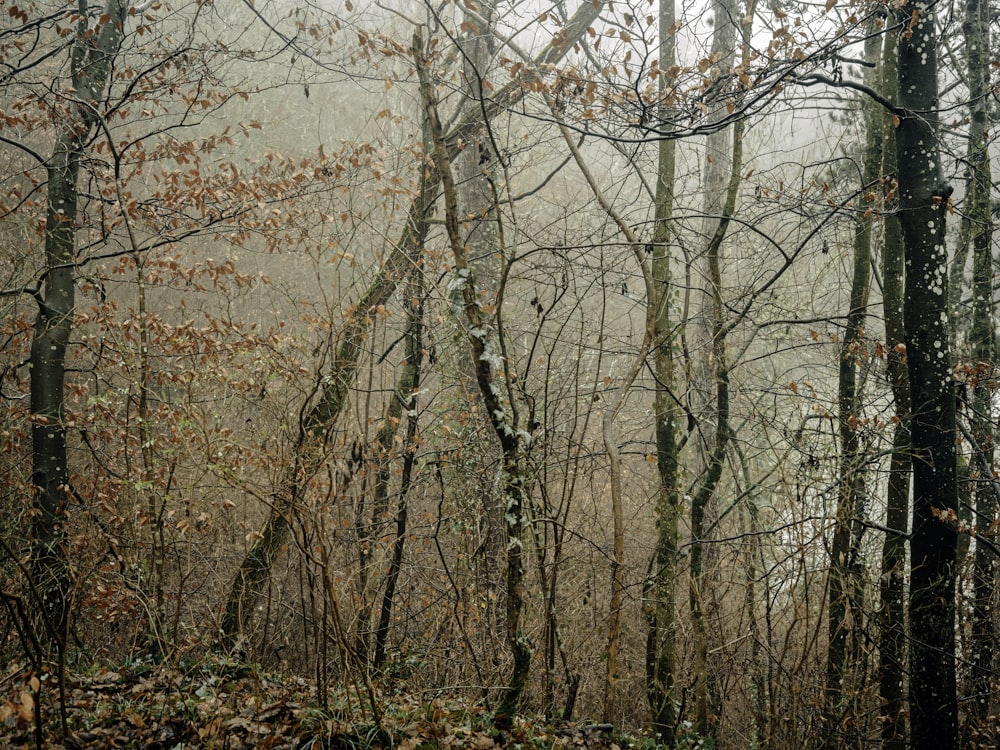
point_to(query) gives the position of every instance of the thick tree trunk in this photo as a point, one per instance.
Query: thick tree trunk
(923, 199)
(892, 636)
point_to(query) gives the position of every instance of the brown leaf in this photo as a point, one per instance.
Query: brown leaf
(26, 709)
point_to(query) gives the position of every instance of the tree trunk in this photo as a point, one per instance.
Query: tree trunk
(611, 448)
(92, 54)
(475, 168)
(892, 637)
(721, 185)
(256, 566)
(982, 374)
(704, 720)
(923, 203)
(502, 413)
(407, 390)
(371, 531)
(661, 614)
(844, 609)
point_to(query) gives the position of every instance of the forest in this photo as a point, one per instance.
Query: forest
(498, 373)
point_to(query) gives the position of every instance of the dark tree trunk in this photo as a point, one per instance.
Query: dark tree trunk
(92, 53)
(923, 199)
(892, 637)
(981, 340)
(409, 385)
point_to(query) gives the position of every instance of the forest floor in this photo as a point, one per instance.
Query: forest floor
(231, 707)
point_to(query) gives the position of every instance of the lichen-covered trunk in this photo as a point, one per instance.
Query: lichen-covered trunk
(923, 199)
(476, 168)
(845, 606)
(497, 400)
(892, 636)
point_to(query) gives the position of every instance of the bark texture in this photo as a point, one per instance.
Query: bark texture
(923, 198)
(661, 648)
(892, 591)
(845, 610)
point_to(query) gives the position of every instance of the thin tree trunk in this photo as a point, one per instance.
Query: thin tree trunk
(407, 390)
(405, 396)
(611, 412)
(923, 203)
(255, 568)
(704, 721)
(981, 339)
(503, 414)
(844, 610)
(661, 656)
(91, 56)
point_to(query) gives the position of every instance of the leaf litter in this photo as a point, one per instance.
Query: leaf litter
(219, 705)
